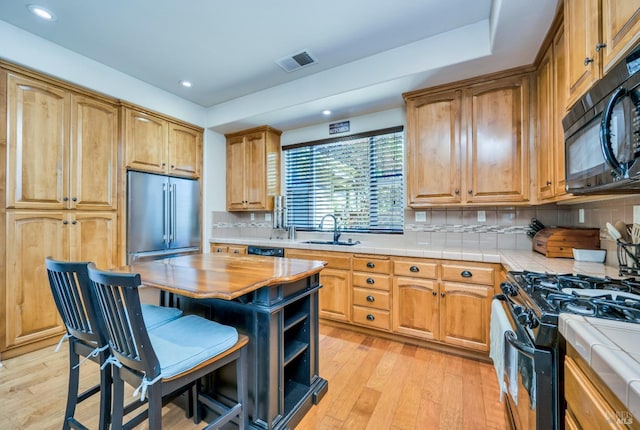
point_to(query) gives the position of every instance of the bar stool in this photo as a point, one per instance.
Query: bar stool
(160, 361)
(70, 286)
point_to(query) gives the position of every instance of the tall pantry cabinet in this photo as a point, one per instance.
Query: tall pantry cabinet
(59, 146)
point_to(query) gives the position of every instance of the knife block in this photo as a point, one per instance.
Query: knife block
(560, 241)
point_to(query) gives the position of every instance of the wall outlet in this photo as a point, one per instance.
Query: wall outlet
(253, 216)
(636, 214)
(482, 216)
(421, 216)
(581, 216)
(267, 216)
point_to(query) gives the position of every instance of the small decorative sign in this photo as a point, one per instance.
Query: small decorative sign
(339, 127)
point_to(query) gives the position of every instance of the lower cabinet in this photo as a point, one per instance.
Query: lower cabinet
(371, 293)
(334, 298)
(30, 316)
(228, 249)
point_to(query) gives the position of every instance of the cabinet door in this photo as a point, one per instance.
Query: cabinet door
(560, 96)
(497, 144)
(464, 315)
(433, 149)
(30, 313)
(146, 142)
(544, 141)
(185, 151)
(255, 170)
(581, 24)
(38, 141)
(334, 297)
(93, 237)
(236, 173)
(415, 307)
(93, 154)
(620, 29)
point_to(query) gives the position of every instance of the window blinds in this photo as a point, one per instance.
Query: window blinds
(358, 178)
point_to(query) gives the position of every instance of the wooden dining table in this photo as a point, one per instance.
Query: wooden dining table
(274, 301)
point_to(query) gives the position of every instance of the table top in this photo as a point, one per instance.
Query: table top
(218, 276)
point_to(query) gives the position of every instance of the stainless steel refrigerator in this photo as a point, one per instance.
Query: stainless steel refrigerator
(163, 216)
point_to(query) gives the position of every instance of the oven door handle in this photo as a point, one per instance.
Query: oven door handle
(522, 347)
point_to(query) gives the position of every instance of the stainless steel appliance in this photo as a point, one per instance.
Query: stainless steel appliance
(533, 349)
(266, 251)
(163, 216)
(602, 133)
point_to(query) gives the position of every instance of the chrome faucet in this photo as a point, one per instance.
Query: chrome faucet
(336, 234)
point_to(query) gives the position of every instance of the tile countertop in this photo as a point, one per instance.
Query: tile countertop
(612, 349)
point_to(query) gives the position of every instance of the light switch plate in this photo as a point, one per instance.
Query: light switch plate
(482, 216)
(421, 216)
(267, 216)
(253, 216)
(636, 214)
(581, 216)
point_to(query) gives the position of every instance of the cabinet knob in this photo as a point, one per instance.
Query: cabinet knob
(456, 191)
(235, 251)
(414, 269)
(600, 46)
(587, 61)
(371, 265)
(173, 166)
(466, 274)
(442, 295)
(371, 281)
(74, 199)
(65, 199)
(548, 183)
(164, 164)
(65, 222)
(470, 191)
(74, 222)
(434, 293)
(370, 317)
(371, 299)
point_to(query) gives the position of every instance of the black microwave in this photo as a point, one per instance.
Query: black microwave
(602, 133)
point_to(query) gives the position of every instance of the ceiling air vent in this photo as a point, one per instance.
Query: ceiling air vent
(297, 61)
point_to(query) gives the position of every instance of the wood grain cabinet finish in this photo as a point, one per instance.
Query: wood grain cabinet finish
(223, 248)
(156, 145)
(598, 34)
(469, 145)
(334, 298)
(372, 296)
(253, 169)
(30, 315)
(62, 148)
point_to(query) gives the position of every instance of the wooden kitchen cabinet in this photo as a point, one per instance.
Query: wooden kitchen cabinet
(31, 319)
(598, 33)
(253, 169)
(469, 144)
(416, 300)
(155, 144)
(223, 248)
(464, 315)
(551, 107)
(62, 147)
(335, 295)
(372, 297)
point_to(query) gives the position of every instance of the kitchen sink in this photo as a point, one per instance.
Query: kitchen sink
(331, 242)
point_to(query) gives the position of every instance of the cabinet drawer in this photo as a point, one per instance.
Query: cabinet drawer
(416, 269)
(217, 248)
(468, 274)
(335, 260)
(375, 265)
(369, 280)
(237, 249)
(371, 298)
(372, 317)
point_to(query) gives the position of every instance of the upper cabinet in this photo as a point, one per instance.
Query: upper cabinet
(598, 33)
(551, 108)
(253, 169)
(157, 145)
(469, 145)
(61, 147)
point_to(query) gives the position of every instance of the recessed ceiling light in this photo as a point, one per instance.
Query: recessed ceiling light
(326, 112)
(185, 84)
(41, 12)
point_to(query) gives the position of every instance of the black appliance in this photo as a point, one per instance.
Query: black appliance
(602, 133)
(532, 302)
(267, 251)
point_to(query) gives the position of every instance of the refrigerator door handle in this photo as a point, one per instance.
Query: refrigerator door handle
(174, 190)
(165, 215)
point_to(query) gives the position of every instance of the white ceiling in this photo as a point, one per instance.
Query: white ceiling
(368, 52)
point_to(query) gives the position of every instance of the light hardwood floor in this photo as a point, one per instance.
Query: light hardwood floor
(373, 384)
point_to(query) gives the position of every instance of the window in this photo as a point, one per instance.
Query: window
(357, 178)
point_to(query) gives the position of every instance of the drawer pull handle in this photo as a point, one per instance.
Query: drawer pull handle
(371, 299)
(371, 265)
(414, 269)
(370, 317)
(466, 274)
(371, 281)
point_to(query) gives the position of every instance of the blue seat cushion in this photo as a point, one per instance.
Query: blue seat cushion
(188, 341)
(154, 316)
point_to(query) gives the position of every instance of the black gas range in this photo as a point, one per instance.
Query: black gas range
(533, 302)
